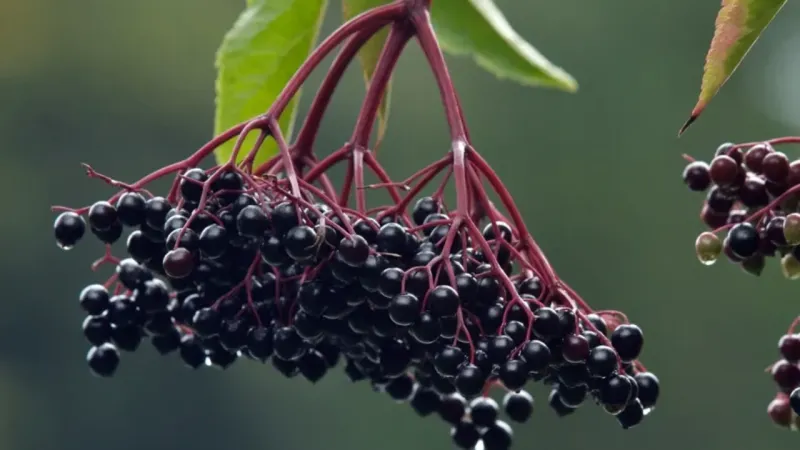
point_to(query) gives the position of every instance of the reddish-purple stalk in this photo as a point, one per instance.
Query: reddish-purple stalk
(408, 18)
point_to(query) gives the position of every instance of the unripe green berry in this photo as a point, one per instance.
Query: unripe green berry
(790, 267)
(791, 229)
(708, 248)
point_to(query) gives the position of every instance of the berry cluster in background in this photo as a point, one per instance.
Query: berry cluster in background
(431, 304)
(752, 213)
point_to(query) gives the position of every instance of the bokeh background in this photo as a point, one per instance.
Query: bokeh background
(128, 86)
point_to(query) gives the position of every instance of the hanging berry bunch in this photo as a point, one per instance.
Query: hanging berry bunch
(751, 210)
(432, 304)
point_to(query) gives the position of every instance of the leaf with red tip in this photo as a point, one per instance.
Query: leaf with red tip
(738, 26)
(369, 54)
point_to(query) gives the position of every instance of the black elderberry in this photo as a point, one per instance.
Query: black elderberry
(233, 334)
(632, 415)
(794, 401)
(191, 351)
(427, 329)
(307, 326)
(499, 348)
(425, 401)
(789, 347)
(575, 348)
(536, 355)
(391, 239)
(252, 222)
(448, 360)
(126, 337)
(743, 240)
(166, 343)
(353, 250)
(602, 361)
(312, 365)
(122, 310)
(178, 263)
(207, 322)
(102, 215)
(497, 437)
(775, 167)
(516, 330)
(452, 408)
(259, 342)
(103, 360)
(572, 375)
(287, 344)
(467, 288)
(443, 301)
(131, 274)
(423, 208)
(649, 388)
(68, 229)
(155, 211)
(159, 323)
(615, 390)
(94, 299)
(184, 238)
(370, 273)
(131, 209)
(513, 374)
(404, 309)
(390, 283)
(492, 318)
(530, 286)
(573, 396)
(97, 330)
(395, 356)
(191, 185)
(301, 243)
(286, 368)
(627, 340)
(483, 411)
(599, 323)
(140, 247)
(221, 358)
(546, 323)
(401, 388)
(557, 405)
(174, 222)
(518, 406)
(470, 380)
(152, 296)
(696, 176)
(465, 435)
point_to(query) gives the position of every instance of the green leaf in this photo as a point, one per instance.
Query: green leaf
(368, 56)
(478, 28)
(267, 44)
(738, 26)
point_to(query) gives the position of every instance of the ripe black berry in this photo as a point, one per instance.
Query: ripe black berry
(696, 176)
(252, 222)
(789, 347)
(301, 242)
(178, 263)
(448, 361)
(425, 402)
(259, 342)
(518, 406)
(68, 229)
(400, 388)
(354, 250)
(102, 215)
(470, 380)
(627, 340)
(191, 185)
(452, 408)
(649, 388)
(794, 401)
(424, 207)
(497, 437)
(516, 330)
(404, 309)
(131, 208)
(483, 411)
(391, 239)
(513, 374)
(103, 360)
(465, 435)
(97, 330)
(743, 240)
(207, 322)
(94, 299)
(443, 301)
(536, 355)
(546, 323)
(288, 345)
(632, 415)
(602, 361)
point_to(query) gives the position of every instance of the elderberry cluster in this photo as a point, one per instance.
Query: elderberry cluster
(237, 268)
(751, 197)
(784, 409)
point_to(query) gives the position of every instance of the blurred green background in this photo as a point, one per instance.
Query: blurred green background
(128, 86)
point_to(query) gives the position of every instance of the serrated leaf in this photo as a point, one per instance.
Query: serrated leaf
(479, 29)
(738, 26)
(266, 45)
(369, 54)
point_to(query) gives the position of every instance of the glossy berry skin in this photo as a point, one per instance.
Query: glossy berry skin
(794, 401)
(68, 229)
(423, 208)
(470, 380)
(483, 411)
(497, 437)
(575, 348)
(131, 209)
(632, 415)
(252, 222)
(513, 374)
(452, 408)
(465, 435)
(627, 340)
(443, 301)
(723, 170)
(448, 361)
(178, 263)
(287, 344)
(789, 347)
(94, 299)
(775, 167)
(649, 388)
(425, 402)
(518, 406)
(213, 241)
(97, 330)
(404, 309)
(536, 355)
(102, 215)
(697, 177)
(602, 361)
(301, 242)
(743, 240)
(786, 375)
(103, 360)
(191, 185)
(354, 250)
